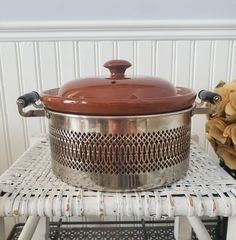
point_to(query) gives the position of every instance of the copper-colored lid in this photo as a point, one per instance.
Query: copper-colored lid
(118, 94)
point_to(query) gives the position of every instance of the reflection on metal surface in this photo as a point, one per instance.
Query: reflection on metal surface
(121, 182)
(120, 154)
(30, 113)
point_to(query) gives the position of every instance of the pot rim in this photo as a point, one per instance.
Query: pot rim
(121, 117)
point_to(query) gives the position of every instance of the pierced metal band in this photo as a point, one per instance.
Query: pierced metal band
(120, 154)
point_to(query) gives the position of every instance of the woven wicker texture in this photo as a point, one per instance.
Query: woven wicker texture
(29, 187)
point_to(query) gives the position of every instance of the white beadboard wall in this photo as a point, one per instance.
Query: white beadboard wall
(41, 61)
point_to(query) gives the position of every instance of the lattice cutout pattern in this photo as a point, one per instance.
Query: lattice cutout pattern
(120, 154)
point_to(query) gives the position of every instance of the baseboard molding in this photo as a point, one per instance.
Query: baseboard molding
(118, 30)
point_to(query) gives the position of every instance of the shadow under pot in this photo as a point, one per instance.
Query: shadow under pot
(118, 133)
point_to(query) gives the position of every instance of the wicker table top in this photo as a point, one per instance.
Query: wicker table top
(29, 187)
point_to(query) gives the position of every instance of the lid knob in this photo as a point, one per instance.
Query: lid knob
(117, 68)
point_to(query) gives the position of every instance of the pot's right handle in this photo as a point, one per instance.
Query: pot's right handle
(210, 97)
(30, 99)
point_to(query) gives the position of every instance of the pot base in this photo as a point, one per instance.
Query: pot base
(120, 182)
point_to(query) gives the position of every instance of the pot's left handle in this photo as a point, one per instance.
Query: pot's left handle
(28, 99)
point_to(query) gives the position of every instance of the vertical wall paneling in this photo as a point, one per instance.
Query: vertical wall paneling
(144, 57)
(5, 154)
(87, 60)
(48, 68)
(210, 81)
(126, 51)
(21, 89)
(12, 91)
(174, 63)
(48, 65)
(164, 59)
(115, 49)
(76, 59)
(96, 58)
(192, 63)
(38, 79)
(201, 81)
(212, 65)
(230, 60)
(135, 57)
(105, 53)
(58, 63)
(183, 62)
(29, 80)
(65, 60)
(222, 61)
(233, 63)
(154, 53)
(202, 64)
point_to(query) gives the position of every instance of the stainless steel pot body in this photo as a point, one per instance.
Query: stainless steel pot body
(120, 154)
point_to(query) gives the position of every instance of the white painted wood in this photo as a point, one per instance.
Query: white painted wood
(29, 228)
(231, 228)
(221, 62)
(30, 83)
(144, 58)
(4, 163)
(202, 65)
(201, 79)
(87, 59)
(11, 88)
(199, 228)
(126, 51)
(66, 64)
(105, 53)
(119, 30)
(9, 223)
(48, 67)
(183, 59)
(2, 229)
(42, 229)
(4, 136)
(164, 59)
(182, 228)
(233, 63)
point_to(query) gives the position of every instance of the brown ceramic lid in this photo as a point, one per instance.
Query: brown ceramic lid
(118, 94)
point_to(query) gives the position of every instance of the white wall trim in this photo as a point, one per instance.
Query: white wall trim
(118, 30)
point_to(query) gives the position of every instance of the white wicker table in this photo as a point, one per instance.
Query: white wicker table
(29, 188)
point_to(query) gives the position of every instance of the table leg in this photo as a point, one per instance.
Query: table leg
(42, 230)
(2, 229)
(182, 228)
(29, 228)
(231, 230)
(199, 228)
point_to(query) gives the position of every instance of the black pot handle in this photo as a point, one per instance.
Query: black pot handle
(210, 97)
(28, 98)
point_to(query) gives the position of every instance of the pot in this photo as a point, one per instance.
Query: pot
(118, 133)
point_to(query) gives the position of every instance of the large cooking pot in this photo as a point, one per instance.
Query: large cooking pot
(118, 133)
